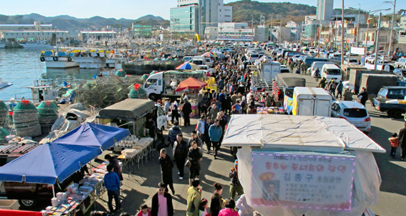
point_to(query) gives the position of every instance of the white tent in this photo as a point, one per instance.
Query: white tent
(295, 165)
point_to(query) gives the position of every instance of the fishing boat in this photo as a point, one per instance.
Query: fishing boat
(92, 59)
(58, 60)
(4, 85)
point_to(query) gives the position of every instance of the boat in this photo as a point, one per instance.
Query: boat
(58, 60)
(146, 67)
(116, 61)
(92, 59)
(36, 44)
(4, 85)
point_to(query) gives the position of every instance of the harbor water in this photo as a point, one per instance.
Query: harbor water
(22, 66)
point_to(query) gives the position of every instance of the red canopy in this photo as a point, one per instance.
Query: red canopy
(190, 83)
(9, 212)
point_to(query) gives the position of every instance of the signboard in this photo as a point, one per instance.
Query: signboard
(302, 180)
(357, 50)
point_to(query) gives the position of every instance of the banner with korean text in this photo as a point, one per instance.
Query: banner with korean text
(299, 180)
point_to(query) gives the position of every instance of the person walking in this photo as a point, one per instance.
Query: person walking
(173, 131)
(229, 209)
(363, 96)
(402, 141)
(117, 169)
(215, 133)
(394, 144)
(196, 139)
(201, 129)
(236, 186)
(144, 211)
(322, 83)
(167, 107)
(213, 112)
(206, 134)
(216, 203)
(195, 157)
(186, 110)
(162, 202)
(166, 170)
(347, 94)
(339, 89)
(204, 205)
(180, 154)
(175, 112)
(193, 199)
(112, 184)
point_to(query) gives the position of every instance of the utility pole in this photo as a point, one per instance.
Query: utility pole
(377, 41)
(393, 23)
(358, 25)
(272, 27)
(342, 32)
(280, 28)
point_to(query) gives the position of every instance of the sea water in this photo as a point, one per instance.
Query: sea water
(22, 66)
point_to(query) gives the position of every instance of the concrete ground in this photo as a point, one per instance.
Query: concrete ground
(140, 186)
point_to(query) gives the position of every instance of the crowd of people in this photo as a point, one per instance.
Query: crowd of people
(234, 95)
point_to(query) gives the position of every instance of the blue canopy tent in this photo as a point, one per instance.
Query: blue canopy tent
(89, 134)
(63, 157)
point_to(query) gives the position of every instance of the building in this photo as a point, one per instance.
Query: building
(141, 31)
(97, 35)
(402, 30)
(30, 32)
(281, 34)
(261, 34)
(235, 32)
(350, 18)
(185, 19)
(196, 15)
(324, 9)
(211, 33)
(369, 35)
(296, 29)
(37, 26)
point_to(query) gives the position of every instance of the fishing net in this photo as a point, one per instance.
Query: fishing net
(120, 73)
(47, 113)
(104, 91)
(25, 119)
(3, 114)
(3, 134)
(137, 91)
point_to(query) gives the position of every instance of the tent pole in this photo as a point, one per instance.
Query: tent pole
(53, 189)
(134, 127)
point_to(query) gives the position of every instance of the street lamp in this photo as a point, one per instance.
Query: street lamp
(393, 22)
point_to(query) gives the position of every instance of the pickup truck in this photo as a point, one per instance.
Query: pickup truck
(390, 99)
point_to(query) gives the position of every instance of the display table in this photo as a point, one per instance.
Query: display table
(78, 200)
(136, 152)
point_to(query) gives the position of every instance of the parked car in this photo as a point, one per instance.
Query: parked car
(401, 63)
(319, 65)
(390, 100)
(354, 112)
(352, 61)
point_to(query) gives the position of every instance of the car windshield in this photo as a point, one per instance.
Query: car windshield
(150, 82)
(383, 92)
(353, 60)
(333, 71)
(355, 113)
(254, 56)
(289, 92)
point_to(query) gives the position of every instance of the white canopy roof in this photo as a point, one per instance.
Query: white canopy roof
(310, 133)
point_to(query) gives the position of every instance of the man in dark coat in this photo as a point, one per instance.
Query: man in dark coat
(166, 170)
(117, 169)
(162, 202)
(363, 96)
(402, 140)
(187, 109)
(173, 131)
(180, 150)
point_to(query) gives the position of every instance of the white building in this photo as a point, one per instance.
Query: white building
(32, 35)
(97, 35)
(402, 30)
(324, 9)
(235, 31)
(37, 26)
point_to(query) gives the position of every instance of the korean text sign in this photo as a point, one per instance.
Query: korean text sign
(302, 180)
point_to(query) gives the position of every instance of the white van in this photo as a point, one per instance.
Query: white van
(200, 60)
(311, 102)
(331, 71)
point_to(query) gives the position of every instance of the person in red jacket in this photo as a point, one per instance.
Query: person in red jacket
(144, 211)
(394, 144)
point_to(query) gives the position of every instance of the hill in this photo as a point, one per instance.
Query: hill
(245, 10)
(66, 22)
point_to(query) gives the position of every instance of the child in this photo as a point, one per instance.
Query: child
(144, 211)
(203, 207)
(394, 144)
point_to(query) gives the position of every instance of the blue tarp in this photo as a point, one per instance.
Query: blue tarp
(96, 135)
(63, 157)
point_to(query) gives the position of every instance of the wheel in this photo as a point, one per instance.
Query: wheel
(152, 97)
(27, 203)
(397, 114)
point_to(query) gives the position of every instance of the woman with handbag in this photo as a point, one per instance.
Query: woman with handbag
(195, 156)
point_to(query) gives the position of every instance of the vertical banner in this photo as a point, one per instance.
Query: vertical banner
(298, 180)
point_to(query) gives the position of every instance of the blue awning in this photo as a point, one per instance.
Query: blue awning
(58, 160)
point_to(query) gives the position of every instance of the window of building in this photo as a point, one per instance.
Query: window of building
(227, 15)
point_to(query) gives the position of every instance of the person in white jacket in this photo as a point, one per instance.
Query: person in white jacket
(243, 208)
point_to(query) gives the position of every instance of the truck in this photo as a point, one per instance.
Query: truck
(390, 99)
(287, 83)
(163, 84)
(270, 70)
(356, 75)
(201, 60)
(311, 102)
(374, 82)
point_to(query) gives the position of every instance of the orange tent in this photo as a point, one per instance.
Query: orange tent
(190, 83)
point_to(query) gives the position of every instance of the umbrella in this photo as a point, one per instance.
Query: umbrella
(190, 83)
(187, 66)
(208, 55)
(214, 54)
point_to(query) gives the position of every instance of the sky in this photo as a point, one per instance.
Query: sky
(133, 9)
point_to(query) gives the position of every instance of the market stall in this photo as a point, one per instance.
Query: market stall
(295, 165)
(55, 163)
(192, 86)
